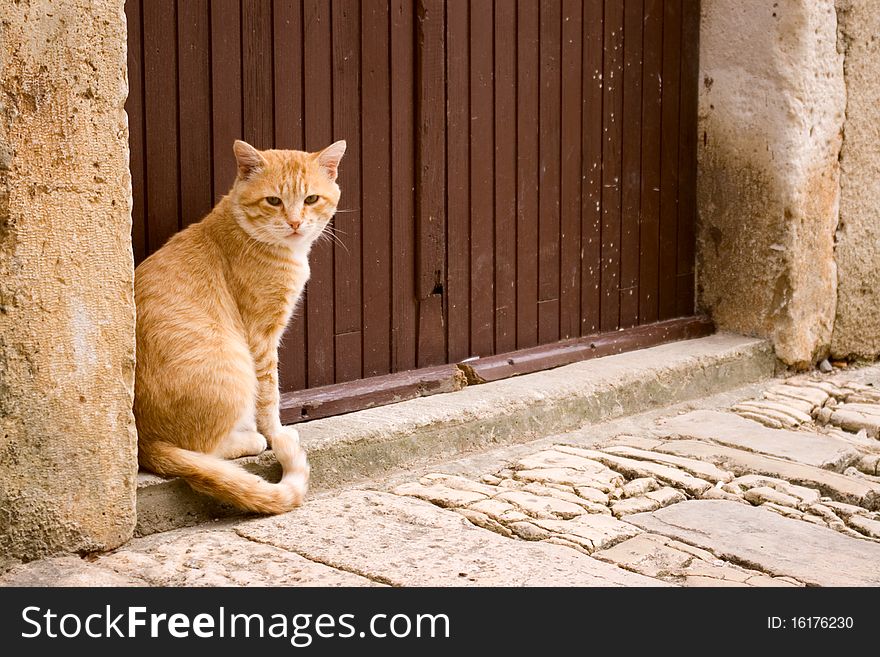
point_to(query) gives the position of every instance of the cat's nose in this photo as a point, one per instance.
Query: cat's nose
(294, 224)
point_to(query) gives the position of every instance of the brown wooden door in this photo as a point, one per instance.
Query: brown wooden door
(518, 172)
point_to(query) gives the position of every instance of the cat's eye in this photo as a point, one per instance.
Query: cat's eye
(311, 199)
(273, 200)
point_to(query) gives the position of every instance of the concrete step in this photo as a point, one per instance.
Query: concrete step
(378, 441)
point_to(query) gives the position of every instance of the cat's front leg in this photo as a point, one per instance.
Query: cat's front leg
(268, 399)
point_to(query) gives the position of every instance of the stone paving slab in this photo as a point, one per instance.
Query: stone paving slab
(208, 556)
(853, 418)
(699, 469)
(837, 486)
(729, 429)
(767, 541)
(673, 561)
(66, 571)
(409, 542)
(635, 468)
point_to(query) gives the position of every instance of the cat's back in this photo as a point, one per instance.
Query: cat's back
(185, 257)
(183, 278)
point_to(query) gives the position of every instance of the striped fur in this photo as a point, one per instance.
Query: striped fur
(212, 305)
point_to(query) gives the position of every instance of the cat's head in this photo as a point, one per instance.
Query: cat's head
(285, 198)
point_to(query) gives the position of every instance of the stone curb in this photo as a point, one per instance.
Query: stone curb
(374, 442)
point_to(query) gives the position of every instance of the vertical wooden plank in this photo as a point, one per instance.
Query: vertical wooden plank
(458, 175)
(612, 101)
(194, 91)
(287, 68)
(548, 178)
(257, 77)
(482, 208)
(404, 299)
(134, 107)
(505, 176)
(225, 90)
(376, 196)
(346, 125)
(649, 231)
(527, 137)
(687, 156)
(287, 58)
(160, 93)
(669, 155)
(631, 163)
(318, 120)
(570, 233)
(591, 175)
(431, 180)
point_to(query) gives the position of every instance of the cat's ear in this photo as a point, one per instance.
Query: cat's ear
(249, 158)
(329, 158)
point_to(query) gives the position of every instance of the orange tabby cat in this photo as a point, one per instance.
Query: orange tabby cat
(211, 307)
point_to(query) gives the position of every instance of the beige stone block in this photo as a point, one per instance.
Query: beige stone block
(440, 495)
(68, 475)
(552, 458)
(499, 511)
(592, 531)
(701, 469)
(768, 541)
(835, 485)
(549, 491)
(666, 496)
(772, 104)
(853, 420)
(734, 431)
(458, 483)
(803, 494)
(786, 511)
(529, 532)
(639, 486)
(763, 494)
(720, 494)
(484, 521)
(633, 505)
(604, 482)
(592, 494)
(857, 324)
(541, 506)
(201, 556)
(664, 473)
(67, 571)
(811, 396)
(864, 525)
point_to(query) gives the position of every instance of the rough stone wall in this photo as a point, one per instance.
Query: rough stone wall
(67, 438)
(771, 109)
(857, 327)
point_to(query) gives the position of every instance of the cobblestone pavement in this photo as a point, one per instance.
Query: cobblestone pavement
(803, 455)
(778, 489)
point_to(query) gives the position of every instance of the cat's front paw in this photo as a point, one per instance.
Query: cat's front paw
(287, 434)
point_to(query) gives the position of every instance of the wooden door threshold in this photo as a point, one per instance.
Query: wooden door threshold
(339, 398)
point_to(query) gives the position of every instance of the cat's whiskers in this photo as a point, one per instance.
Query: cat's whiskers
(335, 229)
(330, 236)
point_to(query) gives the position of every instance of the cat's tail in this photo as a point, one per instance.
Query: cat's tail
(229, 482)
